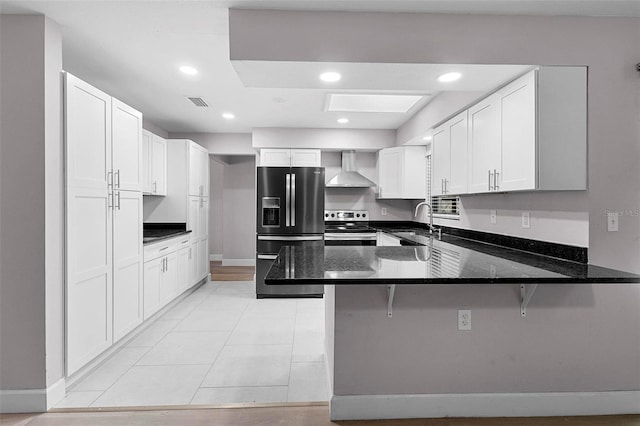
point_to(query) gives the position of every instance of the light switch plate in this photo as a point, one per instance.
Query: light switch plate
(526, 220)
(493, 216)
(612, 222)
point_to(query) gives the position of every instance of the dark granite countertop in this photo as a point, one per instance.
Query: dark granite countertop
(452, 260)
(154, 232)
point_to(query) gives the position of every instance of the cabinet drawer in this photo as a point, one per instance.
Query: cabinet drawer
(161, 248)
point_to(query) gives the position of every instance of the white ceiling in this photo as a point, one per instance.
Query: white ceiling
(132, 50)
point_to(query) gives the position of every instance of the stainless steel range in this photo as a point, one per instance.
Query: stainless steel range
(348, 227)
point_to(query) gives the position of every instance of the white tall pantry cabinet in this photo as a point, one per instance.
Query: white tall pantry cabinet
(103, 139)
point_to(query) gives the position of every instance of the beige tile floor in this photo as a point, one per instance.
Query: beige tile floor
(219, 345)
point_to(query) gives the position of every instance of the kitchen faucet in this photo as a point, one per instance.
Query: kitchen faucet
(431, 228)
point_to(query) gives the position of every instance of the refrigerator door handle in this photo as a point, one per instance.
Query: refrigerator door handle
(267, 256)
(287, 196)
(293, 199)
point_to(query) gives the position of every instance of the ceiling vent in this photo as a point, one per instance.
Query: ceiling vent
(199, 102)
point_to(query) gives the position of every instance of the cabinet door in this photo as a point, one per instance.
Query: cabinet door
(169, 282)
(440, 159)
(203, 172)
(484, 144)
(127, 146)
(389, 173)
(275, 157)
(153, 271)
(159, 166)
(458, 136)
(194, 217)
(203, 218)
(183, 270)
(203, 259)
(147, 138)
(518, 105)
(195, 182)
(87, 134)
(89, 269)
(193, 263)
(127, 262)
(305, 158)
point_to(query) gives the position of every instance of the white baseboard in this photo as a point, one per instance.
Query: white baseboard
(32, 400)
(238, 262)
(366, 407)
(215, 257)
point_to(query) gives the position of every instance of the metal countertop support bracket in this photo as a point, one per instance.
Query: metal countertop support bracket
(391, 291)
(525, 297)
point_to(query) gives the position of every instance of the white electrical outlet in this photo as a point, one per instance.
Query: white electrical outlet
(526, 220)
(383, 211)
(612, 222)
(464, 319)
(493, 216)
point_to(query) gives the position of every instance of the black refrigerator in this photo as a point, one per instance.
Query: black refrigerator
(290, 213)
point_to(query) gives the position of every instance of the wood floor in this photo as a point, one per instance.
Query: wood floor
(298, 415)
(230, 273)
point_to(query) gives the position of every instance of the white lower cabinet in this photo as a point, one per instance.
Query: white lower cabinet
(183, 268)
(169, 270)
(127, 263)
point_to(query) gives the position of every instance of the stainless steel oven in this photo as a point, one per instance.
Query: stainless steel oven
(348, 228)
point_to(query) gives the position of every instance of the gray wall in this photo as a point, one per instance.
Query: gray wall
(239, 209)
(614, 133)
(575, 338)
(31, 212)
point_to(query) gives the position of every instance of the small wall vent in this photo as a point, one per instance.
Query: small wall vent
(199, 102)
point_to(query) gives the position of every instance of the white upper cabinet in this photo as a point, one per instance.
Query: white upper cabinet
(518, 132)
(126, 137)
(198, 170)
(531, 134)
(276, 157)
(484, 144)
(154, 160)
(402, 173)
(87, 134)
(449, 157)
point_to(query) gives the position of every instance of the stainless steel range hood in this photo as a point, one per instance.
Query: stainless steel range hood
(348, 176)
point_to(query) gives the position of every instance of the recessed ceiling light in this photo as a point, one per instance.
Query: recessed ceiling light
(427, 138)
(186, 69)
(330, 77)
(228, 116)
(449, 77)
(343, 120)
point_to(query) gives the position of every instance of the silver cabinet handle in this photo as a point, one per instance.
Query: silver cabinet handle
(442, 186)
(117, 174)
(293, 199)
(110, 200)
(118, 198)
(287, 193)
(155, 186)
(109, 178)
(490, 177)
(496, 186)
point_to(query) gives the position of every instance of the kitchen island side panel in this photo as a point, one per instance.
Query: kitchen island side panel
(574, 338)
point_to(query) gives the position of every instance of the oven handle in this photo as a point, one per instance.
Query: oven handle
(349, 237)
(290, 238)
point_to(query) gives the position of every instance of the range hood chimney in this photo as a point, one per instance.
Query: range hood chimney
(348, 176)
